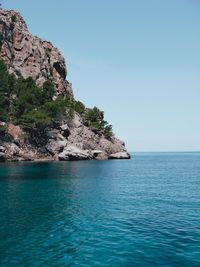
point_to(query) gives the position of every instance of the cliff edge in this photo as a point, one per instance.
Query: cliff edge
(32, 63)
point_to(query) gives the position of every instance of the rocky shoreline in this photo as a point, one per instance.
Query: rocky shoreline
(64, 143)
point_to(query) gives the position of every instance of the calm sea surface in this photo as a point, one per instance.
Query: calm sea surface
(139, 212)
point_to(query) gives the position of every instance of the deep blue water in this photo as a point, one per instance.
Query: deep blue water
(139, 212)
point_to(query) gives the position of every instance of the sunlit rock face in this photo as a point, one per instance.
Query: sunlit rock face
(29, 55)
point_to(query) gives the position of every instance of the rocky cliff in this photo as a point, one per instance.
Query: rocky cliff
(29, 56)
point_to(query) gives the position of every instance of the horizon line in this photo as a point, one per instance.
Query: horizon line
(168, 151)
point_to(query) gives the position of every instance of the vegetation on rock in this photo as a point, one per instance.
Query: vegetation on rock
(94, 119)
(22, 102)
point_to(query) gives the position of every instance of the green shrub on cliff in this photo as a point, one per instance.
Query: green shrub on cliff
(6, 82)
(3, 108)
(79, 107)
(35, 119)
(47, 90)
(13, 18)
(28, 97)
(94, 119)
(35, 105)
(23, 102)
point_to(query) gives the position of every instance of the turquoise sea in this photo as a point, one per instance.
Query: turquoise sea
(139, 212)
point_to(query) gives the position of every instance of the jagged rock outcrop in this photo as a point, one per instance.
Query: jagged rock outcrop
(31, 56)
(71, 152)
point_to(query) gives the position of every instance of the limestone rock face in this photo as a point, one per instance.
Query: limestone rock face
(14, 131)
(65, 130)
(120, 155)
(14, 152)
(85, 138)
(56, 142)
(29, 55)
(74, 153)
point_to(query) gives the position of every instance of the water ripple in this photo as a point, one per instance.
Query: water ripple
(142, 212)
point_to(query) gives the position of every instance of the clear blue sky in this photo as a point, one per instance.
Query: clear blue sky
(139, 61)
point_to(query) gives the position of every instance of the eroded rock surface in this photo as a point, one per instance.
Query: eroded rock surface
(29, 55)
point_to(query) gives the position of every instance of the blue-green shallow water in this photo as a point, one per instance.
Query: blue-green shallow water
(140, 212)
